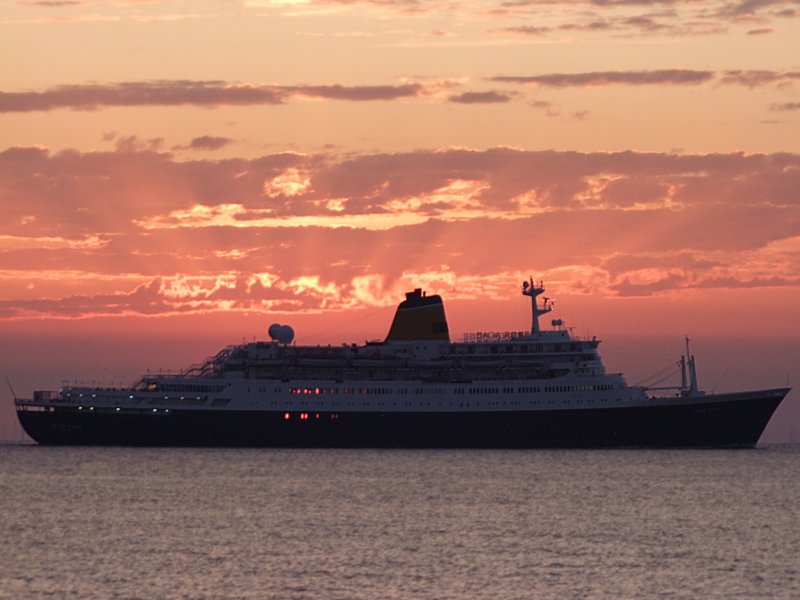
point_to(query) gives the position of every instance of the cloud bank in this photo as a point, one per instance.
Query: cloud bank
(139, 232)
(216, 94)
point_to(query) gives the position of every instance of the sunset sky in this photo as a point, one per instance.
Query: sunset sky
(177, 175)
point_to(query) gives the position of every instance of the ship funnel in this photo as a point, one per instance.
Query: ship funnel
(419, 317)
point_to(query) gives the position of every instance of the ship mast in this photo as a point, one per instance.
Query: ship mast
(692, 389)
(533, 291)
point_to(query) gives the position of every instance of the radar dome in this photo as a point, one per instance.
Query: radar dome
(286, 334)
(273, 330)
(281, 333)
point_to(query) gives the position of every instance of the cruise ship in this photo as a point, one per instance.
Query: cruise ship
(539, 388)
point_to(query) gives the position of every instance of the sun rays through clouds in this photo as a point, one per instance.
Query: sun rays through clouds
(305, 233)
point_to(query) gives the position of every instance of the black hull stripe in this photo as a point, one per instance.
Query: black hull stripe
(734, 422)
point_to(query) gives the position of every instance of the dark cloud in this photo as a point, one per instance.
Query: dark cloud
(491, 97)
(749, 78)
(755, 282)
(664, 17)
(356, 93)
(669, 282)
(213, 94)
(545, 105)
(645, 23)
(195, 93)
(409, 7)
(755, 78)
(745, 8)
(54, 3)
(132, 143)
(675, 281)
(638, 24)
(597, 78)
(534, 30)
(786, 106)
(687, 261)
(596, 3)
(152, 93)
(209, 142)
(144, 300)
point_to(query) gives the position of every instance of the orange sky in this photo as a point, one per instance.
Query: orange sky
(219, 164)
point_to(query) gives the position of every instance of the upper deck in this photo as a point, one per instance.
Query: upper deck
(417, 348)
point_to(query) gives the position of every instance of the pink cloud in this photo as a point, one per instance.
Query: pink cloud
(629, 219)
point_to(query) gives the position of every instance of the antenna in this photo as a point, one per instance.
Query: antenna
(11, 388)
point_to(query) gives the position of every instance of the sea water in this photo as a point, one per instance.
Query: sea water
(133, 523)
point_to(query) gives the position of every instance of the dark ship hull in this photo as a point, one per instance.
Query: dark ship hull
(717, 421)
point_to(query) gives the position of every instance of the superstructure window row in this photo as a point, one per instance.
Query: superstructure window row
(597, 387)
(482, 347)
(386, 391)
(348, 391)
(185, 387)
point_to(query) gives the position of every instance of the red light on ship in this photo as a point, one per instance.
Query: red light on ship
(286, 416)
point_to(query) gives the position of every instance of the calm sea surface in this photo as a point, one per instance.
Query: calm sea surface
(331, 524)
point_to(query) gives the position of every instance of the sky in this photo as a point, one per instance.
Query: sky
(176, 175)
